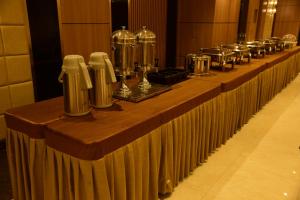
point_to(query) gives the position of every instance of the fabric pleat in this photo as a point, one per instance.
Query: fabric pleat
(151, 165)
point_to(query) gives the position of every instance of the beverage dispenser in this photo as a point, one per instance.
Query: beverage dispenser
(146, 45)
(123, 42)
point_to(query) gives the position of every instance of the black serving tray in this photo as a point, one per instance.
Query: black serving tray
(168, 76)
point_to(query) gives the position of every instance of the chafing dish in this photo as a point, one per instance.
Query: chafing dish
(289, 41)
(279, 43)
(220, 57)
(241, 52)
(270, 46)
(197, 64)
(257, 49)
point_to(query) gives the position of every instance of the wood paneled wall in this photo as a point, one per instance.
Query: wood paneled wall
(226, 19)
(153, 14)
(85, 26)
(287, 18)
(252, 19)
(195, 24)
(203, 23)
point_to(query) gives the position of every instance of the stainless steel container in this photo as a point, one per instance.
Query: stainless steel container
(279, 43)
(257, 49)
(102, 76)
(146, 42)
(270, 46)
(123, 42)
(76, 83)
(220, 56)
(197, 64)
(241, 52)
(289, 41)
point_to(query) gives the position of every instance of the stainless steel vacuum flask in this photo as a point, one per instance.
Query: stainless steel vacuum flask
(102, 76)
(76, 83)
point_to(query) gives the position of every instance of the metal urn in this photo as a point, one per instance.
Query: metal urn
(123, 42)
(146, 44)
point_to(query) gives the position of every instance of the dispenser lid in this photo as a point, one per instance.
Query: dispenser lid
(71, 62)
(123, 36)
(144, 35)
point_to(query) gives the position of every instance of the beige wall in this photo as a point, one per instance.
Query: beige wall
(16, 87)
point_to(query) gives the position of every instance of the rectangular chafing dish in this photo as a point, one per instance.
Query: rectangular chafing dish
(289, 41)
(279, 43)
(220, 57)
(241, 51)
(257, 49)
(270, 46)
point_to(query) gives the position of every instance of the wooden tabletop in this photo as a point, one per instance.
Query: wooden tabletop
(92, 136)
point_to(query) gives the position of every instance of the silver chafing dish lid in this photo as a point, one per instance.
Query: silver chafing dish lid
(253, 44)
(269, 42)
(144, 35)
(290, 38)
(276, 38)
(216, 51)
(200, 56)
(203, 57)
(123, 36)
(237, 47)
(191, 55)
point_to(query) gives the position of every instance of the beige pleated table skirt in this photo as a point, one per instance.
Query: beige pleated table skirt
(152, 164)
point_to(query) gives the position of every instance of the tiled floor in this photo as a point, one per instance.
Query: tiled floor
(261, 162)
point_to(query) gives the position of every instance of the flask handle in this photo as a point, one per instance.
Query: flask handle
(110, 70)
(86, 80)
(60, 78)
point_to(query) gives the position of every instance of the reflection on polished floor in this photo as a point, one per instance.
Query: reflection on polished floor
(261, 162)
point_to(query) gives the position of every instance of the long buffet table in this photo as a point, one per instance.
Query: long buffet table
(137, 150)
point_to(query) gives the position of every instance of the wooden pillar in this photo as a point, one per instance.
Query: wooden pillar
(252, 19)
